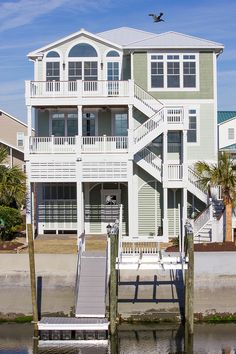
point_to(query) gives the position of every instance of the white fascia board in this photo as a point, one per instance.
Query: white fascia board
(227, 121)
(11, 146)
(38, 52)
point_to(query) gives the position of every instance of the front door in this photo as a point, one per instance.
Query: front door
(89, 124)
(113, 78)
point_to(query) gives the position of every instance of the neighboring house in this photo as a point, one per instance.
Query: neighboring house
(12, 134)
(121, 117)
(227, 132)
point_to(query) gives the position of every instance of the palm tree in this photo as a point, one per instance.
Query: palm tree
(12, 183)
(222, 174)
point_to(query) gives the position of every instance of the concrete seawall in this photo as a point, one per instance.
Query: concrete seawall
(140, 292)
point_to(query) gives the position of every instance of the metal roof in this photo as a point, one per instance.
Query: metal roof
(229, 148)
(133, 38)
(223, 116)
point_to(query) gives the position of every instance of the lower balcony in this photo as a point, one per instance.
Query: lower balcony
(73, 145)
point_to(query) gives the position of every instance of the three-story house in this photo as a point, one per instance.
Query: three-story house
(120, 117)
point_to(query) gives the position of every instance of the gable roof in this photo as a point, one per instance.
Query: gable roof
(229, 148)
(136, 39)
(223, 116)
(132, 38)
(14, 118)
(49, 46)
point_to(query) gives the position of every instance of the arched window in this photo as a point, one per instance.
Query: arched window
(53, 54)
(113, 53)
(83, 50)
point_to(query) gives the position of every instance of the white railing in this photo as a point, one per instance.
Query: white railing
(146, 98)
(78, 88)
(152, 159)
(152, 123)
(194, 178)
(175, 172)
(104, 144)
(52, 144)
(140, 245)
(204, 217)
(68, 145)
(164, 115)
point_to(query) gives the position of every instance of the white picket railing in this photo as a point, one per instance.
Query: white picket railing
(78, 88)
(151, 158)
(164, 115)
(104, 143)
(131, 246)
(175, 172)
(202, 219)
(194, 178)
(67, 145)
(147, 99)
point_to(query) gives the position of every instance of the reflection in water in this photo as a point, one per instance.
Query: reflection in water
(220, 338)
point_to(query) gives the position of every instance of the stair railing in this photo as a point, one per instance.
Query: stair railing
(146, 98)
(152, 123)
(151, 158)
(202, 219)
(194, 178)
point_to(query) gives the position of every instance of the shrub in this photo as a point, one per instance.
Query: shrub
(11, 219)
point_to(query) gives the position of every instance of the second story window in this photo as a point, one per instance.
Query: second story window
(192, 128)
(173, 72)
(83, 63)
(52, 66)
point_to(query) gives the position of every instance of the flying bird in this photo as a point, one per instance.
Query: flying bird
(157, 18)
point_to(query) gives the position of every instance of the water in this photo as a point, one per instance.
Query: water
(163, 339)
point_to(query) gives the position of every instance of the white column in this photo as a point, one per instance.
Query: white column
(28, 199)
(132, 216)
(165, 158)
(130, 129)
(184, 208)
(80, 201)
(80, 129)
(185, 158)
(29, 120)
(165, 213)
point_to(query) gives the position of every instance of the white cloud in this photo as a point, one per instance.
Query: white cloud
(21, 12)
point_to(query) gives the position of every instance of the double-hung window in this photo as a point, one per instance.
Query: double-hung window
(169, 71)
(192, 128)
(173, 71)
(75, 70)
(157, 71)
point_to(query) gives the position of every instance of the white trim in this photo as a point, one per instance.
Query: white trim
(38, 52)
(181, 60)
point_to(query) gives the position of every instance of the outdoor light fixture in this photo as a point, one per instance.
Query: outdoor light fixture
(188, 227)
(63, 65)
(101, 65)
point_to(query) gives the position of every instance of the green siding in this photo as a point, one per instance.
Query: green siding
(207, 122)
(206, 90)
(42, 123)
(104, 123)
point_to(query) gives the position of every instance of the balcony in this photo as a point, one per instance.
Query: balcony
(73, 145)
(78, 89)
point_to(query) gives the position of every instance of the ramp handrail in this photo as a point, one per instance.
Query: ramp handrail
(80, 251)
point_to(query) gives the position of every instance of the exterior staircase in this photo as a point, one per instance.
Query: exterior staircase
(150, 162)
(206, 220)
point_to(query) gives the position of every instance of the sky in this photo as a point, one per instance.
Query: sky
(26, 25)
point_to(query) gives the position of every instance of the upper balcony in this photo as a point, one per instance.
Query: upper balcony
(78, 91)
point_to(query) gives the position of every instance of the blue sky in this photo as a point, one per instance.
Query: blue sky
(26, 25)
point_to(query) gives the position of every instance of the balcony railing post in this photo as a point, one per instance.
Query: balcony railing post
(52, 144)
(104, 143)
(131, 88)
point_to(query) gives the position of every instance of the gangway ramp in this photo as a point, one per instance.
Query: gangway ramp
(92, 284)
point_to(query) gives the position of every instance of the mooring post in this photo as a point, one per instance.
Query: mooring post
(113, 283)
(33, 279)
(189, 293)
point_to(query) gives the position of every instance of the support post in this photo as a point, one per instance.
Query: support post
(189, 293)
(113, 284)
(33, 279)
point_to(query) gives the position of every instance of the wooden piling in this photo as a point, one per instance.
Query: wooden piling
(189, 295)
(113, 284)
(32, 278)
